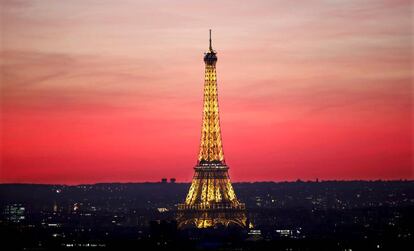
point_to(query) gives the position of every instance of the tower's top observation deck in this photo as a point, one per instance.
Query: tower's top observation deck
(210, 57)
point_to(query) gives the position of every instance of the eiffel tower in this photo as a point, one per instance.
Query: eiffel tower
(211, 200)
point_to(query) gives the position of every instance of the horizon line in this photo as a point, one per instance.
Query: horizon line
(188, 182)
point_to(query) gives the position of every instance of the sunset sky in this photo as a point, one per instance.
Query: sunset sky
(111, 91)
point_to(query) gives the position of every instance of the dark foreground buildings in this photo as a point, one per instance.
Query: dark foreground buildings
(329, 215)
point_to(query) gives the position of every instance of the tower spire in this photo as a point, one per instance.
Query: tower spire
(210, 48)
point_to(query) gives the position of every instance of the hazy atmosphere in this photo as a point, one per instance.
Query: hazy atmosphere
(95, 91)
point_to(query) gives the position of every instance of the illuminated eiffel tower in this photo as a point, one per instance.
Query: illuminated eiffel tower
(211, 200)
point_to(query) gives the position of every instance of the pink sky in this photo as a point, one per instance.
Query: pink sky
(97, 91)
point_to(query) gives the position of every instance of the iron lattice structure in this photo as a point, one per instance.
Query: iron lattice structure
(211, 200)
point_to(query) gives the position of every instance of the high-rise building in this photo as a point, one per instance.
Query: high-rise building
(211, 200)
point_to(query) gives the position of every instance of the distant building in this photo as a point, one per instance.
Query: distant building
(162, 209)
(172, 180)
(14, 212)
(254, 235)
(163, 231)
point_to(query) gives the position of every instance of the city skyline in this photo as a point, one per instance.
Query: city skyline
(113, 93)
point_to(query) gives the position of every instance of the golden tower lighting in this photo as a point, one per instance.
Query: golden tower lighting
(211, 200)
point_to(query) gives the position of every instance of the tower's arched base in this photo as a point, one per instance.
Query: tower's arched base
(219, 216)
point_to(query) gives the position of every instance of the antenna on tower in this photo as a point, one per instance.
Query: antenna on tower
(211, 48)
